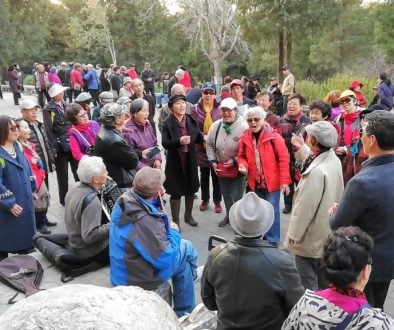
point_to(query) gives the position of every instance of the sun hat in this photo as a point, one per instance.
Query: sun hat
(237, 82)
(347, 93)
(228, 103)
(83, 97)
(355, 83)
(175, 98)
(56, 89)
(324, 132)
(28, 104)
(147, 181)
(251, 216)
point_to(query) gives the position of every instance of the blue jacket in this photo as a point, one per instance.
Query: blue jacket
(91, 80)
(17, 185)
(385, 95)
(367, 202)
(144, 250)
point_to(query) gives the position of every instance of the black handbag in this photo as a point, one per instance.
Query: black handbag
(62, 141)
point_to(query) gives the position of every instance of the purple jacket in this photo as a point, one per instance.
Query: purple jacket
(199, 116)
(140, 137)
(385, 95)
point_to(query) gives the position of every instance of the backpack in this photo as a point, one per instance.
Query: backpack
(22, 273)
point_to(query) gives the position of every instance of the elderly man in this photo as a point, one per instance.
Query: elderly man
(138, 88)
(42, 84)
(148, 77)
(45, 150)
(288, 86)
(104, 98)
(119, 159)
(237, 93)
(177, 89)
(176, 79)
(57, 126)
(87, 230)
(251, 284)
(368, 198)
(146, 248)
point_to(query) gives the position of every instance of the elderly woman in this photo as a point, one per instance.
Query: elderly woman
(222, 149)
(126, 90)
(207, 112)
(267, 102)
(119, 159)
(264, 158)
(320, 186)
(139, 135)
(82, 133)
(179, 136)
(17, 184)
(347, 263)
(84, 99)
(15, 83)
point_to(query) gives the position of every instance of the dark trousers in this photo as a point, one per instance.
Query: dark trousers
(205, 172)
(102, 257)
(76, 93)
(95, 96)
(1, 93)
(17, 96)
(289, 198)
(69, 95)
(376, 293)
(151, 91)
(41, 96)
(311, 273)
(61, 161)
(285, 103)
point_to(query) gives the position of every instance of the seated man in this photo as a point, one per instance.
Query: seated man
(251, 284)
(87, 232)
(146, 249)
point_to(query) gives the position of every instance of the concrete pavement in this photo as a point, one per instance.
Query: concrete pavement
(207, 220)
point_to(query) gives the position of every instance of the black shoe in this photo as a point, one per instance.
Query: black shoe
(44, 230)
(51, 224)
(225, 222)
(286, 210)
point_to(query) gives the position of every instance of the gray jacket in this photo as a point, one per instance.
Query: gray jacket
(87, 235)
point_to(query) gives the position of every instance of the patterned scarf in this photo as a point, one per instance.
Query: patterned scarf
(208, 118)
(227, 127)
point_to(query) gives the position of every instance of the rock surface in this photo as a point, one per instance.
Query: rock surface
(90, 307)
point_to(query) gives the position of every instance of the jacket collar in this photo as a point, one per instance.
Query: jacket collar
(4, 154)
(318, 160)
(380, 160)
(252, 242)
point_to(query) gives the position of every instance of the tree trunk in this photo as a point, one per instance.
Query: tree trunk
(280, 54)
(217, 65)
(289, 49)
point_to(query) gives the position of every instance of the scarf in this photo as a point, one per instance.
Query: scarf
(208, 118)
(351, 292)
(227, 127)
(348, 133)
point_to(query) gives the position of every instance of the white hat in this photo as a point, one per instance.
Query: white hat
(126, 80)
(56, 89)
(228, 103)
(324, 132)
(28, 104)
(251, 216)
(83, 97)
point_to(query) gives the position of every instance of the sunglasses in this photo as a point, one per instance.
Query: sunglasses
(347, 100)
(209, 92)
(14, 128)
(251, 120)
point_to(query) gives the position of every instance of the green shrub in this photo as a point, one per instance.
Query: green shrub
(315, 91)
(28, 79)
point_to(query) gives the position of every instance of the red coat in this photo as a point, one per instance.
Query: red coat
(274, 155)
(76, 77)
(29, 150)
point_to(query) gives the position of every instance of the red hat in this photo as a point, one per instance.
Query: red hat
(237, 82)
(355, 83)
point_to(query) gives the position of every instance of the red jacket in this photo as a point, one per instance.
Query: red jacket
(274, 155)
(76, 77)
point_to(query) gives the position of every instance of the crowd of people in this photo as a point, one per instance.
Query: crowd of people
(331, 160)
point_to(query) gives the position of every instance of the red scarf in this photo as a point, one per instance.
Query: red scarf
(350, 135)
(351, 292)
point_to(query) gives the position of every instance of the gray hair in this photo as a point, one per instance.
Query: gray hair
(88, 167)
(136, 81)
(258, 112)
(178, 89)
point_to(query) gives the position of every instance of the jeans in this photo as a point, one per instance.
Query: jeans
(183, 279)
(311, 273)
(273, 235)
(232, 190)
(204, 178)
(159, 99)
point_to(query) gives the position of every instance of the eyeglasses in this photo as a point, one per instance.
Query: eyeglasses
(293, 104)
(251, 120)
(14, 128)
(209, 93)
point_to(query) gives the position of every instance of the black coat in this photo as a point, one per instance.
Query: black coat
(180, 181)
(118, 158)
(251, 284)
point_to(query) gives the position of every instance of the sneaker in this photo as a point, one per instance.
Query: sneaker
(286, 210)
(218, 208)
(44, 230)
(203, 206)
(225, 222)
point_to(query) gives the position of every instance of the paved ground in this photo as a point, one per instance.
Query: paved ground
(208, 221)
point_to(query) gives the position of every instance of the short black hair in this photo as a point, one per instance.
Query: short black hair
(324, 107)
(5, 123)
(297, 96)
(381, 125)
(346, 252)
(72, 112)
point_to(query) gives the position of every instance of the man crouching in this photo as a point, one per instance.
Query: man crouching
(146, 249)
(87, 229)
